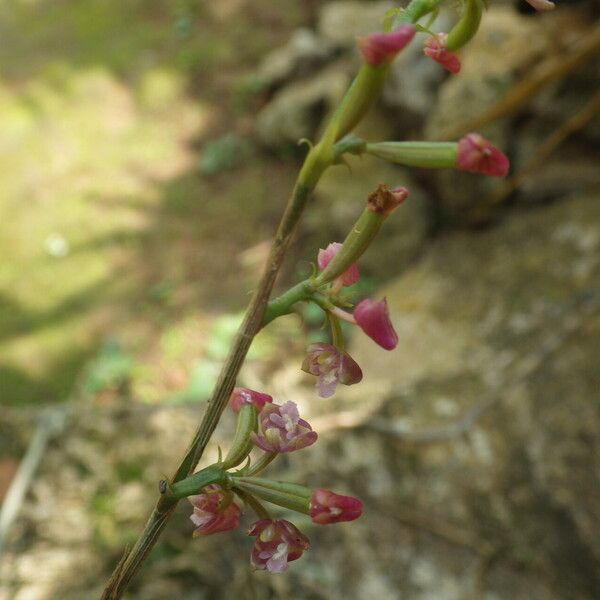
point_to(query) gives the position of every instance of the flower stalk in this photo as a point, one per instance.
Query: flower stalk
(280, 428)
(242, 444)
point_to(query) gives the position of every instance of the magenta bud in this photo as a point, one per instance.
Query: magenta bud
(326, 507)
(380, 48)
(241, 396)
(435, 48)
(278, 542)
(280, 429)
(374, 319)
(214, 511)
(331, 366)
(350, 276)
(475, 154)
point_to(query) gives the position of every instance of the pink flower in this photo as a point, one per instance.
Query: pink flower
(477, 155)
(241, 396)
(435, 48)
(282, 430)
(541, 4)
(374, 319)
(327, 507)
(278, 542)
(379, 48)
(349, 277)
(331, 366)
(214, 511)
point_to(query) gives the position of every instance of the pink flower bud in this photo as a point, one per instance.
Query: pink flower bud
(542, 5)
(327, 507)
(241, 396)
(331, 366)
(350, 276)
(379, 48)
(374, 319)
(435, 48)
(214, 511)
(282, 430)
(278, 542)
(475, 154)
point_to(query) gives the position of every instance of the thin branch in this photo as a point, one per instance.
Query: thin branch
(130, 564)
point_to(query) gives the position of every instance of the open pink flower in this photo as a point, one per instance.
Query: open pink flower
(349, 277)
(278, 542)
(374, 319)
(542, 5)
(477, 155)
(280, 429)
(435, 48)
(214, 511)
(327, 507)
(379, 48)
(331, 366)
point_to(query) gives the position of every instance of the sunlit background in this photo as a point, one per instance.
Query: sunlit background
(146, 153)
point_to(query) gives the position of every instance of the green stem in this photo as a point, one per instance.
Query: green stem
(194, 483)
(416, 10)
(133, 559)
(336, 331)
(262, 463)
(356, 242)
(242, 445)
(361, 95)
(282, 486)
(430, 155)
(253, 503)
(291, 501)
(284, 304)
(467, 27)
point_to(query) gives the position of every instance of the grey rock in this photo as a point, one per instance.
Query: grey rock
(341, 22)
(493, 418)
(296, 110)
(304, 52)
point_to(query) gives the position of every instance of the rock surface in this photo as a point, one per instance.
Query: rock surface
(478, 466)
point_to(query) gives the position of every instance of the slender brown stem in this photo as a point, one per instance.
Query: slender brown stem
(131, 562)
(355, 103)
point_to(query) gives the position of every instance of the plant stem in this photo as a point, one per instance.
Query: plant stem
(284, 304)
(262, 463)
(132, 560)
(360, 96)
(253, 503)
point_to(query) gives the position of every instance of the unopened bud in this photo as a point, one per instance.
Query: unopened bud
(380, 48)
(435, 48)
(475, 154)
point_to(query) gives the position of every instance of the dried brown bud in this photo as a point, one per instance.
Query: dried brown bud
(385, 201)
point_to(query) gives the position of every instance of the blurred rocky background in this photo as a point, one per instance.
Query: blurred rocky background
(147, 150)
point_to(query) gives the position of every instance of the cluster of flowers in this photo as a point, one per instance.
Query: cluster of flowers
(276, 429)
(379, 48)
(278, 541)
